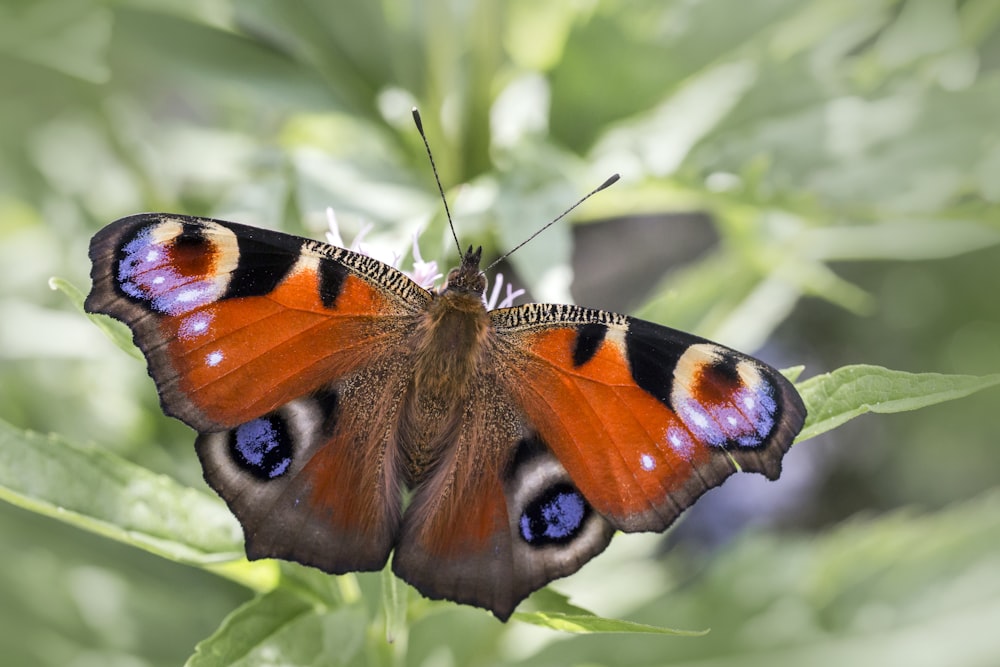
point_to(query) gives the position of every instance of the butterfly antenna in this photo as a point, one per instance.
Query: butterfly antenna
(437, 179)
(608, 183)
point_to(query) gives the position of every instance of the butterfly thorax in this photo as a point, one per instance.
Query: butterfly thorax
(449, 343)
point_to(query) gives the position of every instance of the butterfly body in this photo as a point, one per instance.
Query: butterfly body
(325, 384)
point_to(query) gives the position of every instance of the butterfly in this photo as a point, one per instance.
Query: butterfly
(346, 414)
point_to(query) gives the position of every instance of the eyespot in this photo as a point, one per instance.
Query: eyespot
(724, 401)
(556, 516)
(262, 447)
(175, 267)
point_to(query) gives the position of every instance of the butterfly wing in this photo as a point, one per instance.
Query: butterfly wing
(279, 351)
(644, 418)
(237, 321)
(478, 530)
(292, 357)
(608, 423)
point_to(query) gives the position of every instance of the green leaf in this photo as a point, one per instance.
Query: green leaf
(281, 627)
(909, 240)
(793, 372)
(69, 37)
(583, 624)
(527, 199)
(119, 334)
(95, 490)
(549, 601)
(663, 137)
(320, 587)
(873, 591)
(699, 296)
(839, 396)
(558, 613)
(393, 604)
(146, 41)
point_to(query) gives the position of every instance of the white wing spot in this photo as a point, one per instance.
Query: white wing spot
(749, 402)
(195, 325)
(731, 419)
(214, 358)
(152, 256)
(698, 418)
(189, 295)
(647, 462)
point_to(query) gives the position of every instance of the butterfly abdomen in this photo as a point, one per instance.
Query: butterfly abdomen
(448, 347)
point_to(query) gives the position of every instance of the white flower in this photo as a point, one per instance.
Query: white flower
(377, 252)
(508, 301)
(425, 274)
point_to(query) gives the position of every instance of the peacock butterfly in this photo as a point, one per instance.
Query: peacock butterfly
(327, 386)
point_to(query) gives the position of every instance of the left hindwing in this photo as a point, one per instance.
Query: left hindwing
(643, 418)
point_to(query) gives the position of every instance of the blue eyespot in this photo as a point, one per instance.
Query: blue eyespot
(555, 517)
(262, 447)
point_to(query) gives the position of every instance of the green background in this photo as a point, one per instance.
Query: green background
(818, 175)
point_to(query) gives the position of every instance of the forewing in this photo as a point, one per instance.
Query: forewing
(237, 321)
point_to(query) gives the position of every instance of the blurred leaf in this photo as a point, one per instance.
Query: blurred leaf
(377, 191)
(68, 597)
(902, 589)
(393, 605)
(97, 491)
(663, 138)
(526, 200)
(839, 396)
(550, 601)
(749, 324)
(282, 628)
(697, 295)
(644, 53)
(817, 279)
(211, 58)
(69, 37)
(119, 334)
(911, 240)
(582, 624)
(314, 584)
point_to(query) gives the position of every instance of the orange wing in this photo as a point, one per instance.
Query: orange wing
(237, 321)
(643, 418)
(581, 422)
(287, 355)
(480, 530)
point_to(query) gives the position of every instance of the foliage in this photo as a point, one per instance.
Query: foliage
(844, 150)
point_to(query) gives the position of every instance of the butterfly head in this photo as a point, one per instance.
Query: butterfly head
(467, 277)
